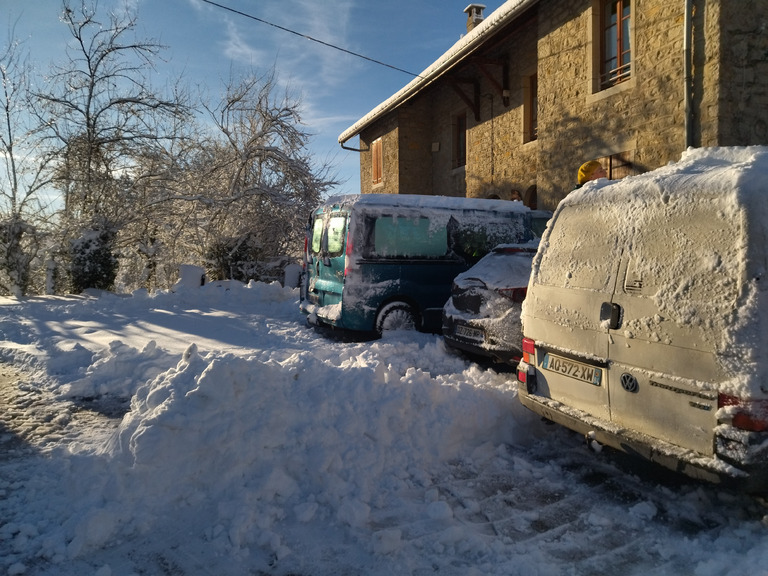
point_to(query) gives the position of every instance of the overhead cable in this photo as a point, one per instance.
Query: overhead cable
(284, 29)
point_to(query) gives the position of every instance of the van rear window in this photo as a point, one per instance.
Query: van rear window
(584, 258)
(336, 230)
(317, 236)
(395, 237)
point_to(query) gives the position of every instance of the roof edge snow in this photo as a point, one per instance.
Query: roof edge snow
(463, 48)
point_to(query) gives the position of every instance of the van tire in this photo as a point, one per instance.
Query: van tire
(396, 316)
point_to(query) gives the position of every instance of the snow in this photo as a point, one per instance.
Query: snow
(382, 204)
(499, 270)
(252, 444)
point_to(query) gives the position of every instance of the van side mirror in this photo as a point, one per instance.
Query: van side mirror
(610, 313)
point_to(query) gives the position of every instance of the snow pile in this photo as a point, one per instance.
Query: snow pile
(268, 440)
(246, 430)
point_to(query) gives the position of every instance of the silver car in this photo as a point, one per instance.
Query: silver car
(482, 316)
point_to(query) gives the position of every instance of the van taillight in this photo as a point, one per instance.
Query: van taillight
(348, 254)
(752, 415)
(526, 373)
(529, 350)
(306, 254)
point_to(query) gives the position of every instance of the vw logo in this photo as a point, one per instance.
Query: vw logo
(629, 382)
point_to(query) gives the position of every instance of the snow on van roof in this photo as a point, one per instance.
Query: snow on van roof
(699, 171)
(427, 201)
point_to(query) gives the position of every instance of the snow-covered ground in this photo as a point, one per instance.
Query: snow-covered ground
(209, 431)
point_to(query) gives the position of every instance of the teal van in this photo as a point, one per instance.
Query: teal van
(376, 262)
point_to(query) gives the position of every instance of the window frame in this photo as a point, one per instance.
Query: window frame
(616, 47)
(377, 161)
(459, 125)
(619, 164)
(531, 113)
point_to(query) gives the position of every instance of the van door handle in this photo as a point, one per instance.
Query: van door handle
(610, 313)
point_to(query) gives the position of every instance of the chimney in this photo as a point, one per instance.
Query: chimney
(474, 15)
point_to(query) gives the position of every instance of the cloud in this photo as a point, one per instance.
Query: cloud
(237, 48)
(329, 22)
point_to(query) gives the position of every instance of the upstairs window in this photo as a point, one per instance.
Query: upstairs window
(616, 54)
(377, 161)
(531, 117)
(460, 140)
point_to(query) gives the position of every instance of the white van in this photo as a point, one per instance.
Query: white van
(646, 320)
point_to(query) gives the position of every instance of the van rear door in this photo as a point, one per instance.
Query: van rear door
(572, 285)
(325, 273)
(679, 285)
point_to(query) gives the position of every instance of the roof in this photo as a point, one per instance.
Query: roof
(465, 47)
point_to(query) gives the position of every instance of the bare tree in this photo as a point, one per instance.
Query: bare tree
(25, 199)
(262, 178)
(164, 190)
(100, 106)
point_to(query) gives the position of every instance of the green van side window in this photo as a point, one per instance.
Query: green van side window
(409, 237)
(336, 229)
(317, 235)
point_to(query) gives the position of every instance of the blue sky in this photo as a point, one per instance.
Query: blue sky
(204, 43)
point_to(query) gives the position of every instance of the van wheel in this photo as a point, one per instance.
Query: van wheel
(396, 316)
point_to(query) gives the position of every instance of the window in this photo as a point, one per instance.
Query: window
(337, 226)
(395, 237)
(531, 121)
(619, 165)
(615, 47)
(586, 260)
(317, 235)
(377, 161)
(460, 140)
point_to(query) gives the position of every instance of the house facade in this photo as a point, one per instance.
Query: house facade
(541, 86)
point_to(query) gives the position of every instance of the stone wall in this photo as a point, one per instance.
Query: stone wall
(743, 67)
(415, 137)
(499, 161)
(578, 122)
(387, 129)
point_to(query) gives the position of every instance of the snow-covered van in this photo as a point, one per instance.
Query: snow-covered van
(646, 319)
(375, 262)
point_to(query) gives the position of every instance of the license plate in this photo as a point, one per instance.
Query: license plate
(576, 370)
(471, 333)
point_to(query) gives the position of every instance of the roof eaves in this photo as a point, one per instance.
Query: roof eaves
(458, 52)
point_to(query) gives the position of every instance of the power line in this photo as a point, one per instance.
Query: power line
(284, 29)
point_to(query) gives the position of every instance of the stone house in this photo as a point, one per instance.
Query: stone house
(541, 86)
